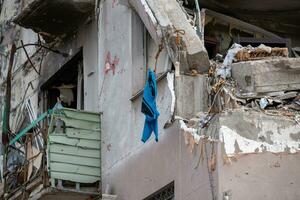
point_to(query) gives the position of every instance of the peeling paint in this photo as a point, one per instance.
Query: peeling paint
(191, 131)
(170, 78)
(280, 143)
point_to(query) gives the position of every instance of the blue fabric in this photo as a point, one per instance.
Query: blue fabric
(149, 107)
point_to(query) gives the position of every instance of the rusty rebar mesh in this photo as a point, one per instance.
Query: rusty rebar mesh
(257, 54)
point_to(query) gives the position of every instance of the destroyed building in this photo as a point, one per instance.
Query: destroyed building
(72, 82)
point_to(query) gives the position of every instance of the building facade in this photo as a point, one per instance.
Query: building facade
(93, 56)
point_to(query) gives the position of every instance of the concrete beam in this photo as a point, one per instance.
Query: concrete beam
(162, 20)
(147, 16)
(264, 76)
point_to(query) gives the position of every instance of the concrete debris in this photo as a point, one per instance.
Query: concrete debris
(263, 102)
(205, 121)
(268, 133)
(225, 70)
(267, 76)
(263, 91)
(169, 24)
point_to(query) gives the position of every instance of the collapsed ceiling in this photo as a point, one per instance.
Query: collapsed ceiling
(277, 16)
(54, 17)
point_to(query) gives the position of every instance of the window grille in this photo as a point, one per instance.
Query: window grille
(165, 193)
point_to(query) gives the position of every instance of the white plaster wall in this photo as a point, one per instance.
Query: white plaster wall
(122, 121)
(133, 169)
(87, 38)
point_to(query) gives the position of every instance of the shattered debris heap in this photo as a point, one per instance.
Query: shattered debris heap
(149, 99)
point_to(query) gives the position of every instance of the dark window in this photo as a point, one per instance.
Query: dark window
(66, 84)
(165, 193)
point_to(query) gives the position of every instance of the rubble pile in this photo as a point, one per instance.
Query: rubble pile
(235, 94)
(260, 52)
(227, 93)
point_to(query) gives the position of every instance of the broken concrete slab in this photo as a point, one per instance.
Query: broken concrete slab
(250, 132)
(265, 76)
(165, 20)
(147, 16)
(197, 56)
(191, 94)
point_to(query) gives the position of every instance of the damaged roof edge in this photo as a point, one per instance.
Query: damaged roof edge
(26, 12)
(241, 24)
(55, 17)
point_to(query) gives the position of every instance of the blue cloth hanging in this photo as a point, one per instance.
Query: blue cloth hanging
(149, 107)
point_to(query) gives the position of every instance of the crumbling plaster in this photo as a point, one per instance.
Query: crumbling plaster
(254, 132)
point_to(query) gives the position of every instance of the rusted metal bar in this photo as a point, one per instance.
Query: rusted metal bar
(45, 47)
(28, 58)
(6, 127)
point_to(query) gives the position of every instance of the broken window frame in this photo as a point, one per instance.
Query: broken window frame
(77, 59)
(149, 62)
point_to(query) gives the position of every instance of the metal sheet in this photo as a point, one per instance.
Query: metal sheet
(75, 155)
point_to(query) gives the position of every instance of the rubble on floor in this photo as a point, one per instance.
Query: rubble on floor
(254, 104)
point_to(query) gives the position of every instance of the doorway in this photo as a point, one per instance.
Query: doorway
(66, 85)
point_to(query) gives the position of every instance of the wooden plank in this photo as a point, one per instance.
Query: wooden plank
(81, 124)
(62, 139)
(74, 169)
(79, 87)
(74, 177)
(81, 115)
(76, 151)
(77, 160)
(83, 134)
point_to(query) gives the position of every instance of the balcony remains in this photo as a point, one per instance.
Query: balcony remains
(54, 17)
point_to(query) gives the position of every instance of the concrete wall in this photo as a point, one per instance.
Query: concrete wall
(264, 156)
(154, 165)
(86, 38)
(262, 176)
(132, 169)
